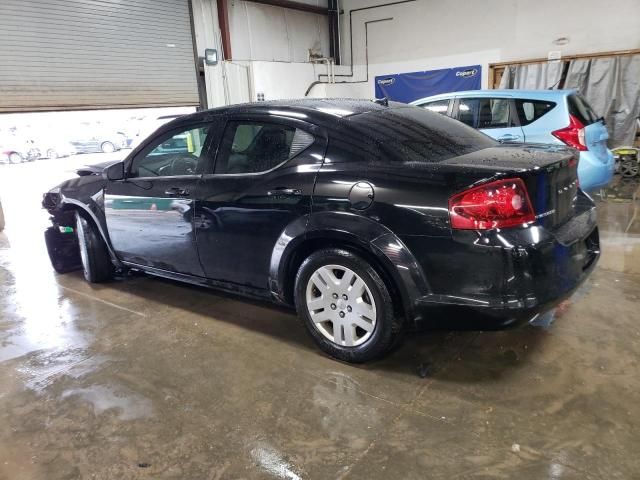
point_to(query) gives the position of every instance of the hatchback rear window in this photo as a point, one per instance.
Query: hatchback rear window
(579, 108)
(531, 110)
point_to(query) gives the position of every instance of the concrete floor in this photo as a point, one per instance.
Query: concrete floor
(146, 378)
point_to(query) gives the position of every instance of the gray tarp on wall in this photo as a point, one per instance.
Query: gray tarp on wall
(534, 76)
(612, 86)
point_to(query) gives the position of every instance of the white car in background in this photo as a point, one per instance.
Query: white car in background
(150, 125)
(54, 147)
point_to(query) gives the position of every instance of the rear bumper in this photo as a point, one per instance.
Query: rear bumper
(593, 172)
(516, 273)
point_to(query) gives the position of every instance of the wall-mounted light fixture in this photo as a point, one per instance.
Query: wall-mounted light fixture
(211, 56)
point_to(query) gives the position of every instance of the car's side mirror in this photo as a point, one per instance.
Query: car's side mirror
(114, 172)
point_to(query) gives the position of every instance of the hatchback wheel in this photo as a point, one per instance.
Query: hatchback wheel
(629, 168)
(345, 305)
(96, 262)
(107, 147)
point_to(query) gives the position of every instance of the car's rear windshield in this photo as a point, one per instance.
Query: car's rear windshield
(579, 108)
(413, 134)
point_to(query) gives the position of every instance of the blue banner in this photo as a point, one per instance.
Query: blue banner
(407, 87)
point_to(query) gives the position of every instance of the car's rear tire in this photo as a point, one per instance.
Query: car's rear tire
(107, 147)
(346, 306)
(15, 157)
(96, 262)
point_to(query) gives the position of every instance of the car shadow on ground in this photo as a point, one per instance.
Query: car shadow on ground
(425, 351)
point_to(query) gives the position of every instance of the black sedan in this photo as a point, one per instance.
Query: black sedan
(363, 215)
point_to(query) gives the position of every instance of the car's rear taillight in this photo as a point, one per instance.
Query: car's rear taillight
(499, 204)
(573, 135)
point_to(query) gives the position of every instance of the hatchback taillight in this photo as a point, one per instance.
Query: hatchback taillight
(573, 135)
(499, 204)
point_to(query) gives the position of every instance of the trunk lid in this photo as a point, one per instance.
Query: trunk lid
(549, 173)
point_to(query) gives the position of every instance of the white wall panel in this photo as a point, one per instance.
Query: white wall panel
(431, 34)
(264, 32)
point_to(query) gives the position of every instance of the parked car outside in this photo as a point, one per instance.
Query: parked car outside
(53, 147)
(364, 216)
(14, 149)
(96, 140)
(559, 117)
(149, 126)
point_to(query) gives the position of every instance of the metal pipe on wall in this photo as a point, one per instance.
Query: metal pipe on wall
(334, 31)
(225, 32)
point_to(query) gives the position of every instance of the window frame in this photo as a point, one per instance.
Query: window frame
(309, 128)
(153, 142)
(450, 103)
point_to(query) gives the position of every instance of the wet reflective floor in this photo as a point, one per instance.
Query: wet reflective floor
(145, 378)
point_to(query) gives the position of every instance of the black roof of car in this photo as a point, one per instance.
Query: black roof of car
(327, 108)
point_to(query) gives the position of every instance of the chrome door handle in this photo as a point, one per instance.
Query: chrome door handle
(508, 138)
(284, 191)
(176, 192)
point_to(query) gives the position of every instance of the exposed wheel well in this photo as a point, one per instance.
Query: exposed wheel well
(312, 245)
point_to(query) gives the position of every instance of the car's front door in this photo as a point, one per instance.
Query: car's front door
(493, 116)
(150, 213)
(262, 181)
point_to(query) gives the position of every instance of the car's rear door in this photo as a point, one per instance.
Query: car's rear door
(494, 116)
(262, 181)
(538, 118)
(150, 213)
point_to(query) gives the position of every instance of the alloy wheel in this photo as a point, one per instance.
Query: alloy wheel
(341, 305)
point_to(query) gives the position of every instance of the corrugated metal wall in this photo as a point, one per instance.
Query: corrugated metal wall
(75, 54)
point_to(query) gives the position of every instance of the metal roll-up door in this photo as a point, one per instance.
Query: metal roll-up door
(81, 54)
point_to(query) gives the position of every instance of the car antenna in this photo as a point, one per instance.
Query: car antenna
(382, 101)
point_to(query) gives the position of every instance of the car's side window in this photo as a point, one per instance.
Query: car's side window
(531, 110)
(175, 154)
(254, 147)
(485, 112)
(439, 106)
(468, 111)
(494, 113)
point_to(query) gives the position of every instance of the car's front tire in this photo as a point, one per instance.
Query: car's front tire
(15, 158)
(96, 262)
(346, 306)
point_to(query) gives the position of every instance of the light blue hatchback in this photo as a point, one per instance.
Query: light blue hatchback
(535, 116)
